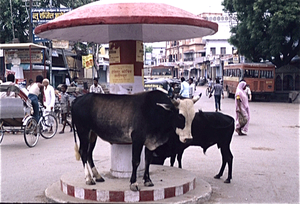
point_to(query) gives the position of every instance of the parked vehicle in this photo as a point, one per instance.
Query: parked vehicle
(259, 76)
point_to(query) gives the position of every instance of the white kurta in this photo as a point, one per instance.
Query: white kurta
(50, 97)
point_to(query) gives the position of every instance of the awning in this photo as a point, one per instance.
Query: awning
(21, 46)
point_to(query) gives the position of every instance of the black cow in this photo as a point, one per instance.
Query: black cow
(147, 118)
(208, 128)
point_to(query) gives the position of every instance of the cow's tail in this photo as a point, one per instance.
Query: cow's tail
(77, 155)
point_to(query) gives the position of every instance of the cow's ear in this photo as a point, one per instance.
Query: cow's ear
(165, 106)
(176, 102)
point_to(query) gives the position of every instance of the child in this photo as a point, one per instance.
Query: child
(64, 104)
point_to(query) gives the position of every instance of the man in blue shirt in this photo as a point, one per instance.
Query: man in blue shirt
(218, 89)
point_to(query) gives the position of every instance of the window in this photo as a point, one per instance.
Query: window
(266, 74)
(223, 51)
(213, 50)
(248, 73)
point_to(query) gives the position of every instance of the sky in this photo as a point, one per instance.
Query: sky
(193, 6)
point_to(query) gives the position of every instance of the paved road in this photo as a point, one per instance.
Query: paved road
(265, 167)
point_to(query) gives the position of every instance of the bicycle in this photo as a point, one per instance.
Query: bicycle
(47, 124)
(208, 90)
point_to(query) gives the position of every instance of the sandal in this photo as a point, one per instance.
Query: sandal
(61, 132)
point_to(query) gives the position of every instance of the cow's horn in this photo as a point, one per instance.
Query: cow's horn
(165, 106)
(175, 102)
(195, 99)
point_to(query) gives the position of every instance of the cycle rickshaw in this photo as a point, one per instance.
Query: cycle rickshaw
(15, 116)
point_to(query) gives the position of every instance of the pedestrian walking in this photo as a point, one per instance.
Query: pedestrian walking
(96, 88)
(184, 89)
(65, 108)
(242, 109)
(218, 91)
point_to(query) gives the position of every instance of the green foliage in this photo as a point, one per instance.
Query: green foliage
(21, 16)
(266, 29)
(148, 49)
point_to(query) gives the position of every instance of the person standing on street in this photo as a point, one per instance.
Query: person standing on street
(184, 89)
(49, 99)
(192, 88)
(65, 106)
(96, 88)
(242, 109)
(218, 91)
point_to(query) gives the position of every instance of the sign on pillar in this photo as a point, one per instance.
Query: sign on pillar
(125, 77)
(126, 67)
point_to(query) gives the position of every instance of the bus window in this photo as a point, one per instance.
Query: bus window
(251, 73)
(239, 73)
(266, 74)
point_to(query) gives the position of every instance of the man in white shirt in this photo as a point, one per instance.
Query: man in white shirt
(49, 95)
(184, 89)
(248, 92)
(191, 88)
(96, 88)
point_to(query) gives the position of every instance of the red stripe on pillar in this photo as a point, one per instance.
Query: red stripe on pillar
(90, 194)
(116, 196)
(70, 190)
(170, 192)
(146, 196)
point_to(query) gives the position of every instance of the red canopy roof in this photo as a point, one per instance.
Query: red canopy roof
(149, 22)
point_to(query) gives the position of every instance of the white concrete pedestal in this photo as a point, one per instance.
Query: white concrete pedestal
(121, 164)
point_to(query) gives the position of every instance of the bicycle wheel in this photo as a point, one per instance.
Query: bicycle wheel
(48, 126)
(31, 135)
(1, 133)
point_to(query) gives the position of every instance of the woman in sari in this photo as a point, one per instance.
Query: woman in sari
(242, 109)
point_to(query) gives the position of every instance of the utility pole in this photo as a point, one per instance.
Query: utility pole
(50, 55)
(30, 23)
(12, 20)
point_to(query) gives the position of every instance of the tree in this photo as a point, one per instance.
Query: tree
(17, 22)
(148, 49)
(265, 29)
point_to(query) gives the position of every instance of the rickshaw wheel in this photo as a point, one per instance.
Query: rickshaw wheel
(31, 134)
(48, 126)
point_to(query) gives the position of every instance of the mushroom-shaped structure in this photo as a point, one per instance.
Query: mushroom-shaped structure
(125, 26)
(103, 21)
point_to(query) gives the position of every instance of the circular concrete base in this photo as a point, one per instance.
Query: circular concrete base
(171, 185)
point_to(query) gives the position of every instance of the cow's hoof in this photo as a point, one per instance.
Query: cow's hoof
(217, 176)
(134, 186)
(100, 179)
(148, 183)
(227, 181)
(90, 182)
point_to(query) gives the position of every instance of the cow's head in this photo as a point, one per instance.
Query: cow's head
(186, 108)
(185, 118)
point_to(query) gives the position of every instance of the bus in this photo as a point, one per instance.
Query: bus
(161, 71)
(260, 77)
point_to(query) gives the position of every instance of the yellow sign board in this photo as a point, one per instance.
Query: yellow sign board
(122, 73)
(87, 61)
